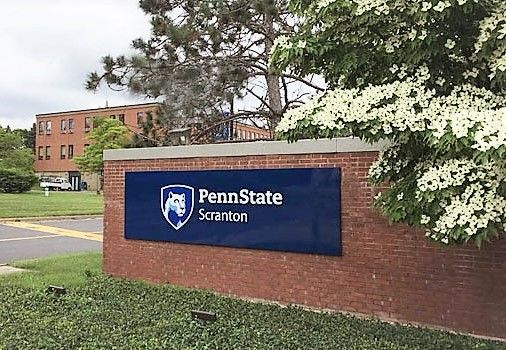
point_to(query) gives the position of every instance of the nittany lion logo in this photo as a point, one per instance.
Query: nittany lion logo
(177, 204)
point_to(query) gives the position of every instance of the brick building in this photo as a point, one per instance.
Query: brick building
(242, 131)
(61, 136)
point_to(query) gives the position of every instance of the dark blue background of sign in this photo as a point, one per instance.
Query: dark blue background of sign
(309, 221)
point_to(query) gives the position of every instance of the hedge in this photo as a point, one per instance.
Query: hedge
(16, 181)
(109, 313)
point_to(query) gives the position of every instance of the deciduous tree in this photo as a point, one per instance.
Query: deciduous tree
(16, 163)
(13, 153)
(107, 133)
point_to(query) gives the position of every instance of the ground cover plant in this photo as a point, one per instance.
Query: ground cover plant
(34, 203)
(105, 313)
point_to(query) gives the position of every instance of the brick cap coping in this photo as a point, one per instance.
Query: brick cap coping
(258, 148)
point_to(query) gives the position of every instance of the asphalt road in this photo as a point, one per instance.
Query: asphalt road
(26, 240)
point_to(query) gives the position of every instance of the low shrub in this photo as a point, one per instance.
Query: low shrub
(16, 181)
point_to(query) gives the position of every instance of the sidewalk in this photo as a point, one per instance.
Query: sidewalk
(6, 269)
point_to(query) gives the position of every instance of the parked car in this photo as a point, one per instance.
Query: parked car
(58, 183)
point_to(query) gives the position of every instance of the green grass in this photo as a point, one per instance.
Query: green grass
(99, 312)
(67, 270)
(34, 203)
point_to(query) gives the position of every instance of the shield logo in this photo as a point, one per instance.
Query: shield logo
(176, 203)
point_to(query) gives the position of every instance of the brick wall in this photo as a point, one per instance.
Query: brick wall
(391, 272)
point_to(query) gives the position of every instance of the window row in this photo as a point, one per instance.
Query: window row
(248, 135)
(121, 118)
(67, 125)
(66, 151)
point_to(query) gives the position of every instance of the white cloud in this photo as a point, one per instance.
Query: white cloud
(48, 48)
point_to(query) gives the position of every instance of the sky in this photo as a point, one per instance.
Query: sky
(48, 48)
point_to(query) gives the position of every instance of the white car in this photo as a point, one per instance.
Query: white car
(59, 183)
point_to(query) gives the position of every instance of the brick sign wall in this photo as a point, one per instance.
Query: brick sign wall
(391, 272)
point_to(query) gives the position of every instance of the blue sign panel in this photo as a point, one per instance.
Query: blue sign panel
(293, 210)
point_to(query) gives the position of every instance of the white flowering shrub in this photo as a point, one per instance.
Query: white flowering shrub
(430, 76)
(447, 163)
(353, 43)
(490, 45)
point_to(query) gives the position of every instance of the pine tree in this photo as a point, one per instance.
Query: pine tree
(203, 55)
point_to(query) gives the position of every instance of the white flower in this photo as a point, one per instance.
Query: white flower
(378, 7)
(450, 44)
(472, 73)
(424, 219)
(412, 34)
(324, 3)
(440, 81)
(426, 6)
(440, 6)
(465, 191)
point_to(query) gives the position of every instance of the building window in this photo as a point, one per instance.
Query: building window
(41, 128)
(121, 118)
(48, 127)
(71, 126)
(41, 152)
(140, 118)
(62, 151)
(71, 152)
(113, 116)
(63, 126)
(87, 124)
(48, 152)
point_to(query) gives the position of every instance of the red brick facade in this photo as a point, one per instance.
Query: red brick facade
(64, 135)
(391, 272)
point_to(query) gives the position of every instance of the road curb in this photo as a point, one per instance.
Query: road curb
(47, 218)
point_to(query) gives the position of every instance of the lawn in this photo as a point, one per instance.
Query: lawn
(99, 312)
(66, 270)
(34, 203)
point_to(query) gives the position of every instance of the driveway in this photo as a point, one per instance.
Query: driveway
(35, 239)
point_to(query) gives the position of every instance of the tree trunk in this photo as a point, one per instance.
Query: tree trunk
(272, 81)
(98, 183)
